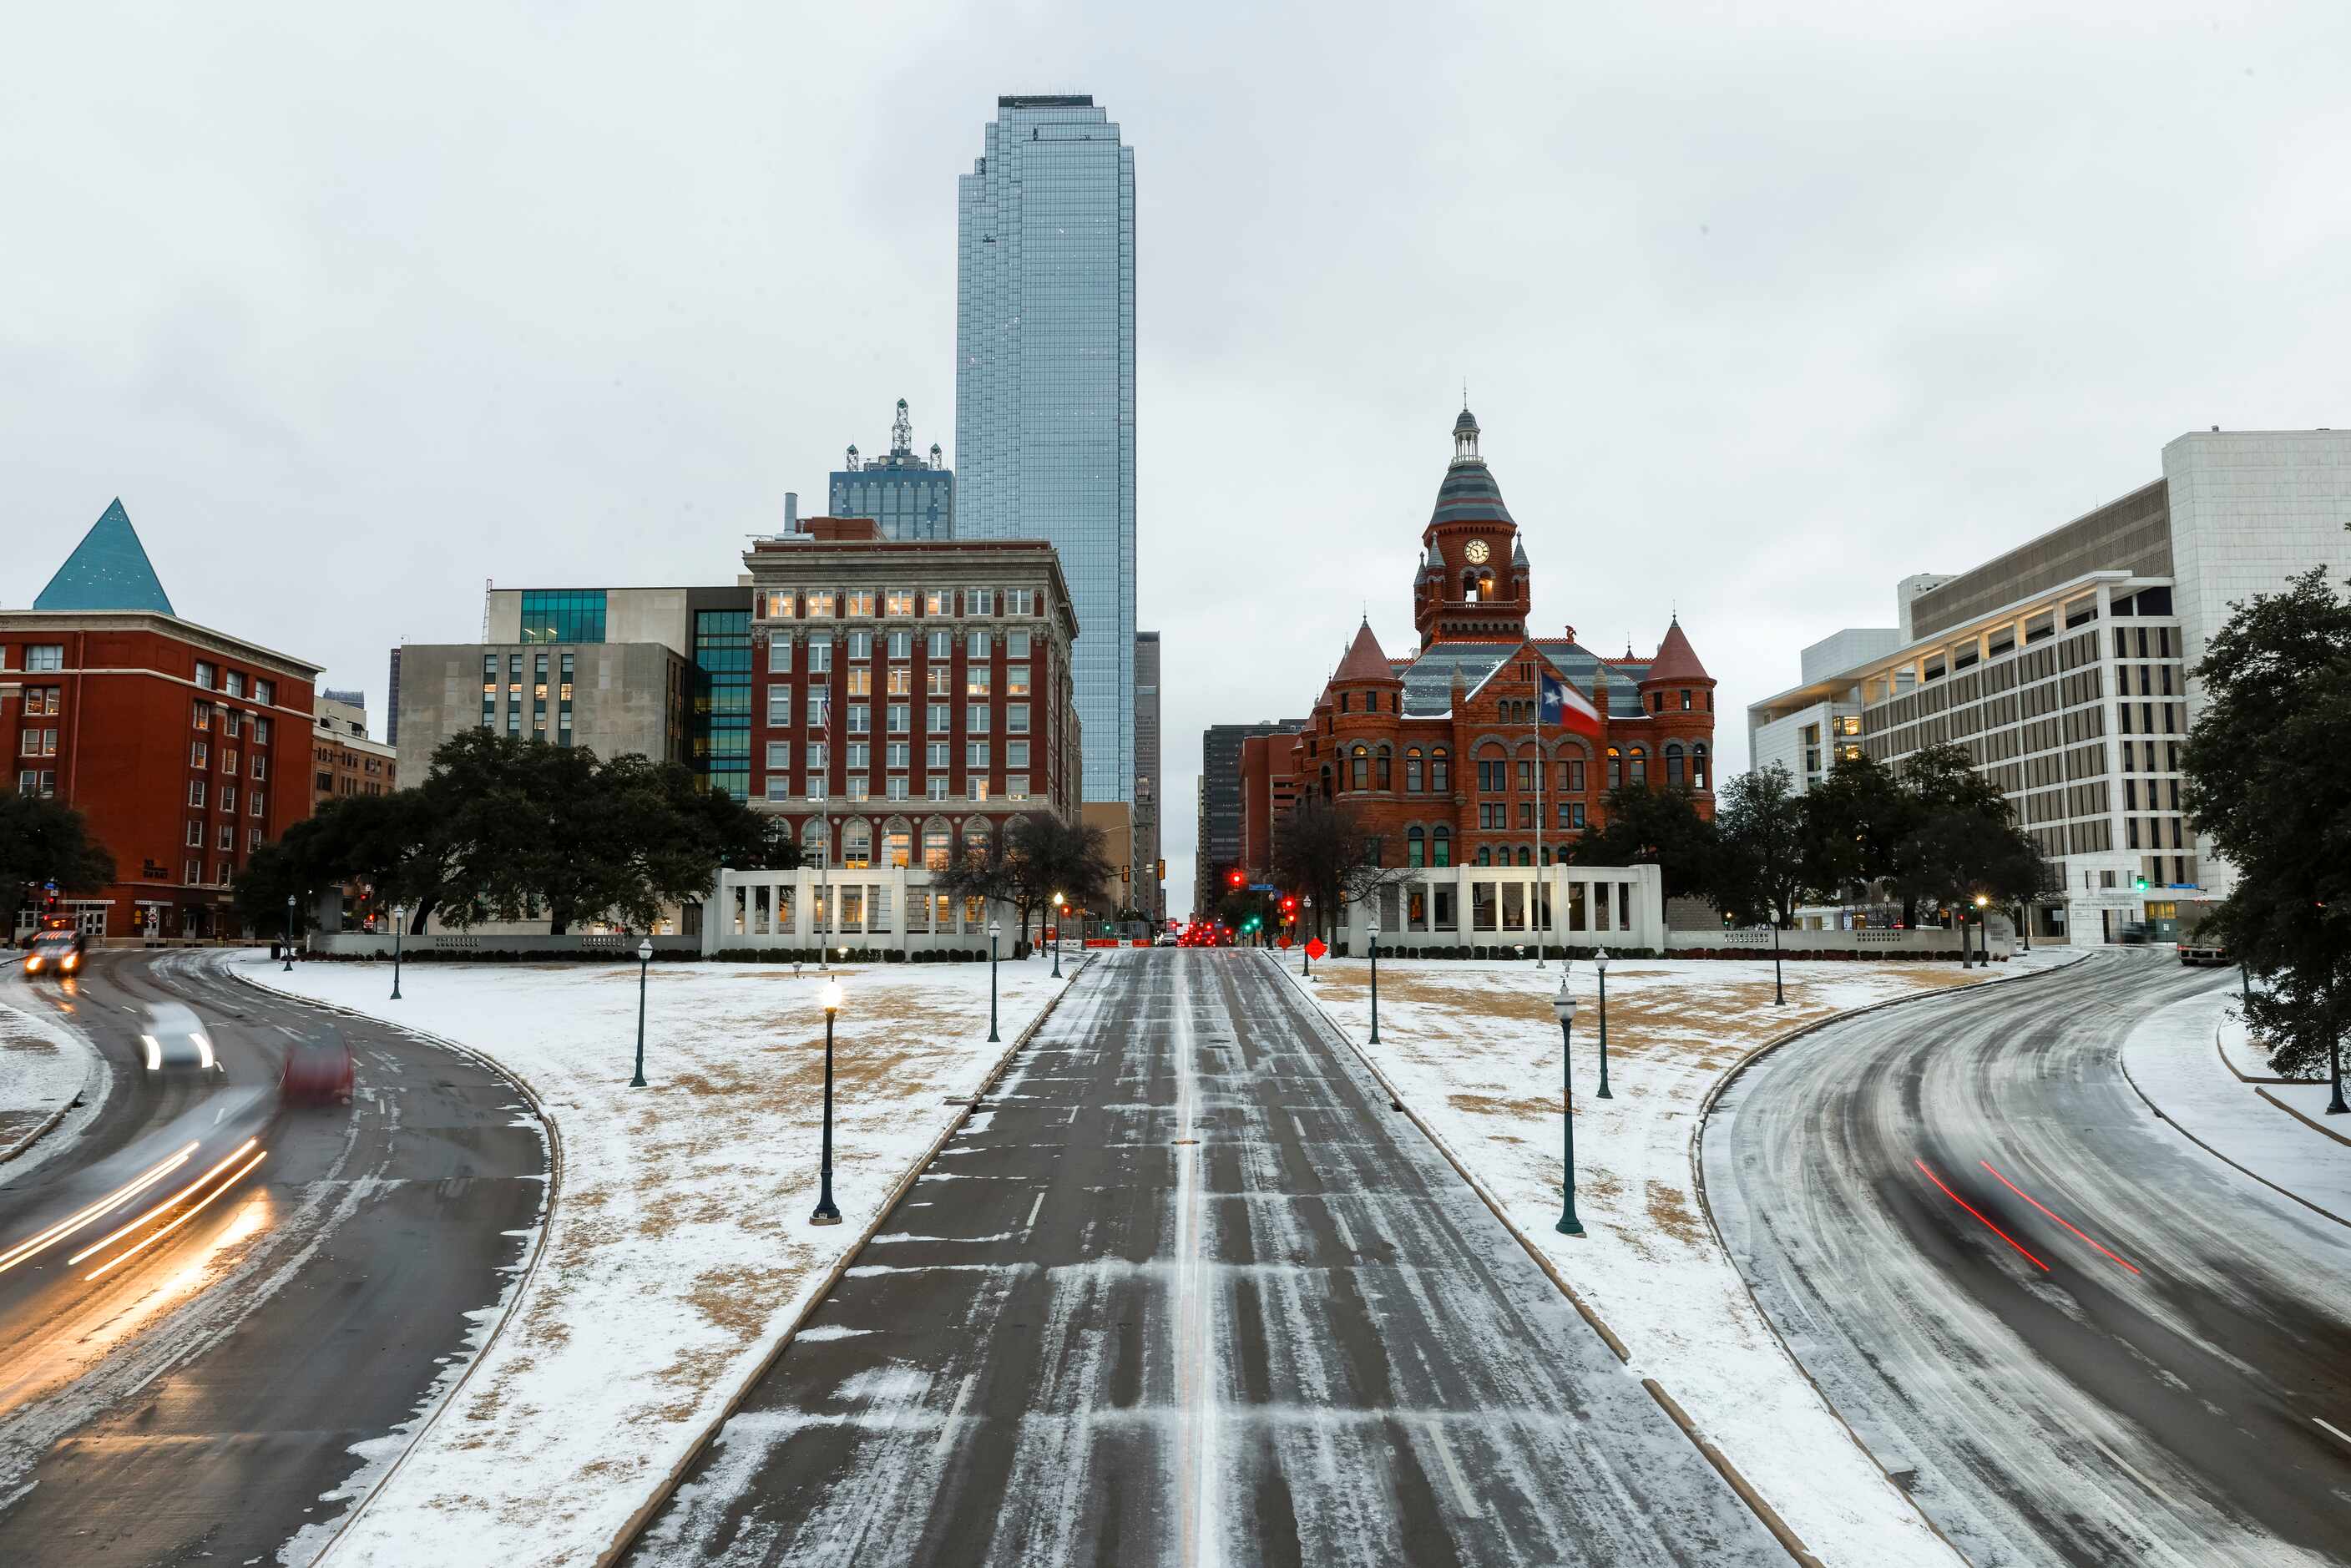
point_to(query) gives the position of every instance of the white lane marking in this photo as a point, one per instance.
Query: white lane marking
(1299, 1124)
(1346, 1239)
(1030, 1224)
(1452, 1468)
(1199, 1542)
(2340, 1436)
(948, 1427)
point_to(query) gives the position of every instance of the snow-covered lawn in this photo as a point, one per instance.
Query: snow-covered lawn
(43, 1065)
(1474, 1048)
(2174, 1059)
(679, 1250)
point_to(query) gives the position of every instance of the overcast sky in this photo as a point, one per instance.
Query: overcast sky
(1759, 314)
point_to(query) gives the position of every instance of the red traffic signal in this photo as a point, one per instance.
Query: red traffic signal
(1288, 904)
(1234, 878)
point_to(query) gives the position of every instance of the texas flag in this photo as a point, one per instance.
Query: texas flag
(1565, 707)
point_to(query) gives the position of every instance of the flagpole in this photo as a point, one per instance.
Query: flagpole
(1542, 766)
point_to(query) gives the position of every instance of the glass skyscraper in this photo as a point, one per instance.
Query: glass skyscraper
(1045, 384)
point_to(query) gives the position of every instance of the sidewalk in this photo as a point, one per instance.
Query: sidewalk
(2175, 1061)
(44, 1067)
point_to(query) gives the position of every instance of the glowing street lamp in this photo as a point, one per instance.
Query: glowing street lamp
(1058, 902)
(1983, 932)
(994, 930)
(290, 933)
(399, 925)
(826, 1214)
(1600, 963)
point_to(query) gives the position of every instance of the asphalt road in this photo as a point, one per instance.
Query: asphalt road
(1188, 1292)
(195, 1401)
(2148, 1385)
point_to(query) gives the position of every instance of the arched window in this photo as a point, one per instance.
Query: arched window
(812, 844)
(1493, 771)
(938, 844)
(1326, 781)
(1361, 779)
(1674, 762)
(1416, 846)
(977, 839)
(1640, 765)
(1387, 769)
(857, 844)
(897, 844)
(1440, 845)
(1615, 768)
(1412, 775)
(1485, 855)
(1698, 765)
(1440, 774)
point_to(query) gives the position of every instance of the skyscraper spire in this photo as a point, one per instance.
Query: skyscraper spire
(901, 432)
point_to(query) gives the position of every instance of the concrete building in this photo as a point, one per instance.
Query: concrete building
(915, 694)
(910, 498)
(2062, 666)
(175, 742)
(344, 760)
(1150, 868)
(659, 672)
(1045, 381)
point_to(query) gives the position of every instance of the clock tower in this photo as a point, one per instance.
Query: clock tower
(1473, 584)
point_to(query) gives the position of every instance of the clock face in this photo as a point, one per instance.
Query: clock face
(1477, 553)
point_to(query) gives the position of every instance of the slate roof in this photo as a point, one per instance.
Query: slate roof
(1469, 495)
(108, 571)
(1677, 660)
(1364, 662)
(1428, 679)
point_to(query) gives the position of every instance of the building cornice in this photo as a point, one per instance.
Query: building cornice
(47, 622)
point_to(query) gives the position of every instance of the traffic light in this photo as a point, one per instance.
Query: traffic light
(1126, 874)
(1162, 869)
(2139, 884)
(1289, 903)
(1235, 880)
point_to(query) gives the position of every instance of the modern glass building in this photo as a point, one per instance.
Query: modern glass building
(1045, 384)
(910, 498)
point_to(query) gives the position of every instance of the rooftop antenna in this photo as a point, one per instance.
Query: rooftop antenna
(486, 584)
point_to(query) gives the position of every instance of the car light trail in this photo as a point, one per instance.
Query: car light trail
(2045, 1208)
(258, 1155)
(63, 1227)
(1972, 1208)
(166, 1206)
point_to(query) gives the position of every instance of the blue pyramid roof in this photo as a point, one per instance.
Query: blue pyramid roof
(108, 571)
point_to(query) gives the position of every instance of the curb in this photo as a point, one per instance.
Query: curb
(2247, 1077)
(89, 1076)
(669, 1483)
(1765, 1514)
(2313, 1127)
(522, 1282)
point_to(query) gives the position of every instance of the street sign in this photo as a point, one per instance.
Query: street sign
(1284, 941)
(1315, 950)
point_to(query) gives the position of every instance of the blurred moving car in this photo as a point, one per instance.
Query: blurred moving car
(317, 1072)
(1166, 939)
(2203, 955)
(175, 1037)
(57, 952)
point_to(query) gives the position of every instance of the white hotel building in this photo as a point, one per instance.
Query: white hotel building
(2062, 667)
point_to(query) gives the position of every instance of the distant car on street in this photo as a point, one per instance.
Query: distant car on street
(317, 1072)
(1166, 939)
(55, 953)
(2204, 955)
(174, 1037)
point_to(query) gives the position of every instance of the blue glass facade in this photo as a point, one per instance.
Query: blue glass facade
(721, 741)
(1045, 384)
(911, 497)
(563, 615)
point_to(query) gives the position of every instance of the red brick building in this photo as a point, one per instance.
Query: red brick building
(1440, 753)
(184, 748)
(909, 697)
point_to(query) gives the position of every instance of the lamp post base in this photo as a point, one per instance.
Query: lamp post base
(1568, 1226)
(826, 1216)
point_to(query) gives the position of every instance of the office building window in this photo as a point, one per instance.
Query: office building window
(207, 677)
(776, 606)
(199, 754)
(897, 787)
(935, 787)
(779, 707)
(858, 602)
(1016, 645)
(935, 718)
(898, 601)
(196, 835)
(192, 873)
(778, 787)
(1015, 718)
(899, 714)
(860, 647)
(939, 645)
(1020, 601)
(264, 692)
(861, 718)
(975, 754)
(902, 680)
(236, 683)
(252, 839)
(940, 680)
(195, 791)
(1016, 787)
(979, 601)
(861, 756)
(1016, 754)
(976, 719)
(820, 606)
(780, 755)
(902, 644)
(261, 768)
(563, 615)
(227, 837)
(228, 798)
(1016, 679)
(978, 645)
(976, 680)
(938, 602)
(976, 788)
(819, 662)
(815, 758)
(934, 755)
(253, 799)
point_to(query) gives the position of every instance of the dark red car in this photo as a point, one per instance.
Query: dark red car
(317, 1072)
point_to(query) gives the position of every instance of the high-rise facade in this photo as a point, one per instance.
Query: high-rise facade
(1150, 893)
(1045, 382)
(912, 497)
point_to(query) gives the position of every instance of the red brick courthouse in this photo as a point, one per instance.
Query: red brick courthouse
(1439, 752)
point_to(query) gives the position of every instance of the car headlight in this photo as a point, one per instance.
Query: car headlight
(204, 1049)
(154, 1051)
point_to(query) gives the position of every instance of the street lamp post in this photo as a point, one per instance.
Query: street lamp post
(1058, 901)
(1375, 978)
(1779, 990)
(1564, 1005)
(1983, 931)
(645, 963)
(994, 929)
(1305, 961)
(826, 1214)
(290, 933)
(1600, 963)
(399, 928)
